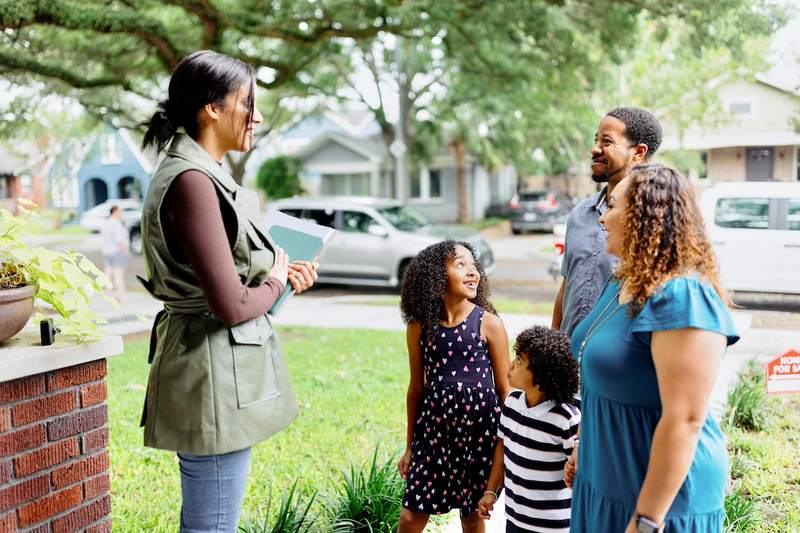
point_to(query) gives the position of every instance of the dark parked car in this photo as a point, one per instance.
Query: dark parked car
(538, 210)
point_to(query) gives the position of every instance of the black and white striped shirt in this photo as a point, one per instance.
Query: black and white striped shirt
(537, 442)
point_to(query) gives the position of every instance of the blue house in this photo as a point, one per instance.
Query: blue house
(114, 168)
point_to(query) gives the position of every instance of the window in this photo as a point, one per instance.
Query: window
(323, 217)
(292, 212)
(751, 213)
(109, 150)
(356, 222)
(416, 185)
(426, 184)
(739, 108)
(793, 220)
(345, 184)
(403, 218)
(436, 184)
(26, 182)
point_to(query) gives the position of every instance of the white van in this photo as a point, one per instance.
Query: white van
(754, 228)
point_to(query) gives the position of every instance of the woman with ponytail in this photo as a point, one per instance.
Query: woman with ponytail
(218, 382)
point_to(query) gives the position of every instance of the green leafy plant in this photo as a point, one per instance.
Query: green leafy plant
(279, 177)
(749, 407)
(741, 513)
(292, 516)
(369, 498)
(65, 281)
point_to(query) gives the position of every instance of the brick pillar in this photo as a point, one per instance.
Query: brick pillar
(54, 452)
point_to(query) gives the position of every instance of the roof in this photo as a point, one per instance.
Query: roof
(767, 124)
(143, 161)
(367, 147)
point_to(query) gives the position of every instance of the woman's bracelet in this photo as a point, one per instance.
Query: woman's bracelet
(493, 493)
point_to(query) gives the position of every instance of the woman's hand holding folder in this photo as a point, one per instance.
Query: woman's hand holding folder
(302, 275)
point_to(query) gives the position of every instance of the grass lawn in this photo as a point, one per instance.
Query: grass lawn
(480, 225)
(511, 306)
(765, 469)
(43, 225)
(351, 385)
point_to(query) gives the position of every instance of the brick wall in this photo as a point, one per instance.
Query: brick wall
(54, 452)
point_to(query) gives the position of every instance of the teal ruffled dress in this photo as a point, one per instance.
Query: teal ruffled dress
(621, 406)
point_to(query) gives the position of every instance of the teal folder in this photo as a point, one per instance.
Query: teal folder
(301, 239)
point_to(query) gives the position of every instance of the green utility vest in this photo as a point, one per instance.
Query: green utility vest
(212, 389)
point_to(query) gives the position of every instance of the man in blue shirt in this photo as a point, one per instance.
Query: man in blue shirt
(625, 138)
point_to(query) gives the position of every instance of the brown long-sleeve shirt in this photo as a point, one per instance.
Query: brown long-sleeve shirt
(196, 232)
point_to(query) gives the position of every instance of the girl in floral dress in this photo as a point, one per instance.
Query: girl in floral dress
(458, 357)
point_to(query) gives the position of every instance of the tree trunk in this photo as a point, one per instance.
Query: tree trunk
(237, 163)
(459, 150)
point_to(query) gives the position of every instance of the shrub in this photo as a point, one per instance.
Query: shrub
(292, 516)
(278, 177)
(369, 498)
(741, 513)
(749, 407)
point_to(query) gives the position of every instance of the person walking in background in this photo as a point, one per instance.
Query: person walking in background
(625, 137)
(538, 428)
(458, 357)
(116, 251)
(652, 458)
(218, 382)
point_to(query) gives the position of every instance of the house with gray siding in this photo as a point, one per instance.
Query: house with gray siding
(337, 159)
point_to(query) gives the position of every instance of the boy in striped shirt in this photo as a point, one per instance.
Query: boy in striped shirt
(538, 430)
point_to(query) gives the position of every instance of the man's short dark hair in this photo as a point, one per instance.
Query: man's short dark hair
(641, 127)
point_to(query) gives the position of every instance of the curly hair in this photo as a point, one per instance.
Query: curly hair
(641, 127)
(550, 360)
(425, 283)
(664, 235)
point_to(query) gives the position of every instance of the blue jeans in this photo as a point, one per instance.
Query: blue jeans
(212, 487)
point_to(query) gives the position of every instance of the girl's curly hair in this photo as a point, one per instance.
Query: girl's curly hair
(425, 283)
(551, 362)
(664, 235)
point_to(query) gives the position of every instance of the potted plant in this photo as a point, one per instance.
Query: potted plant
(64, 282)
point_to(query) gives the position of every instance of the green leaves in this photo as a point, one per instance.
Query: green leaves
(279, 177)
(66, 281)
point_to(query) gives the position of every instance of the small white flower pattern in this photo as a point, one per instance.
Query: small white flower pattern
(456, 430)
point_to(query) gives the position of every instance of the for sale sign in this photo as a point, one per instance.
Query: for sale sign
(783, 373)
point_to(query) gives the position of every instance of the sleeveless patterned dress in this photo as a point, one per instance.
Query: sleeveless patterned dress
(456, 430)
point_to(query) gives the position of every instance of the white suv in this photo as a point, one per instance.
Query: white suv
(755, 231)
(376, 237)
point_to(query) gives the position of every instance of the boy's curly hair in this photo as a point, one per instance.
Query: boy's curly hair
(550, 360)
(425, 283)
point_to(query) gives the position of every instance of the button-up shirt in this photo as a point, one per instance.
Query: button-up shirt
(586, 266)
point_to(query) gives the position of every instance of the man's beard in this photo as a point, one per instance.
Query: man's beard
(601, 178)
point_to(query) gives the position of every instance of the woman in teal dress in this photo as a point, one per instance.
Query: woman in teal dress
(651, 457)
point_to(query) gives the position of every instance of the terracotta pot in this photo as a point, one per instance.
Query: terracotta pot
(16, 307)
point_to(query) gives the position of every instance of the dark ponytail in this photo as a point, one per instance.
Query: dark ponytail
(160, 129)
(201, 78)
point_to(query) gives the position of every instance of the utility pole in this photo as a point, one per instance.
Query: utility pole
(398, 147)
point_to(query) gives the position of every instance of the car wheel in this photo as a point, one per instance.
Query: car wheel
(136, 242)
(516, 231)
